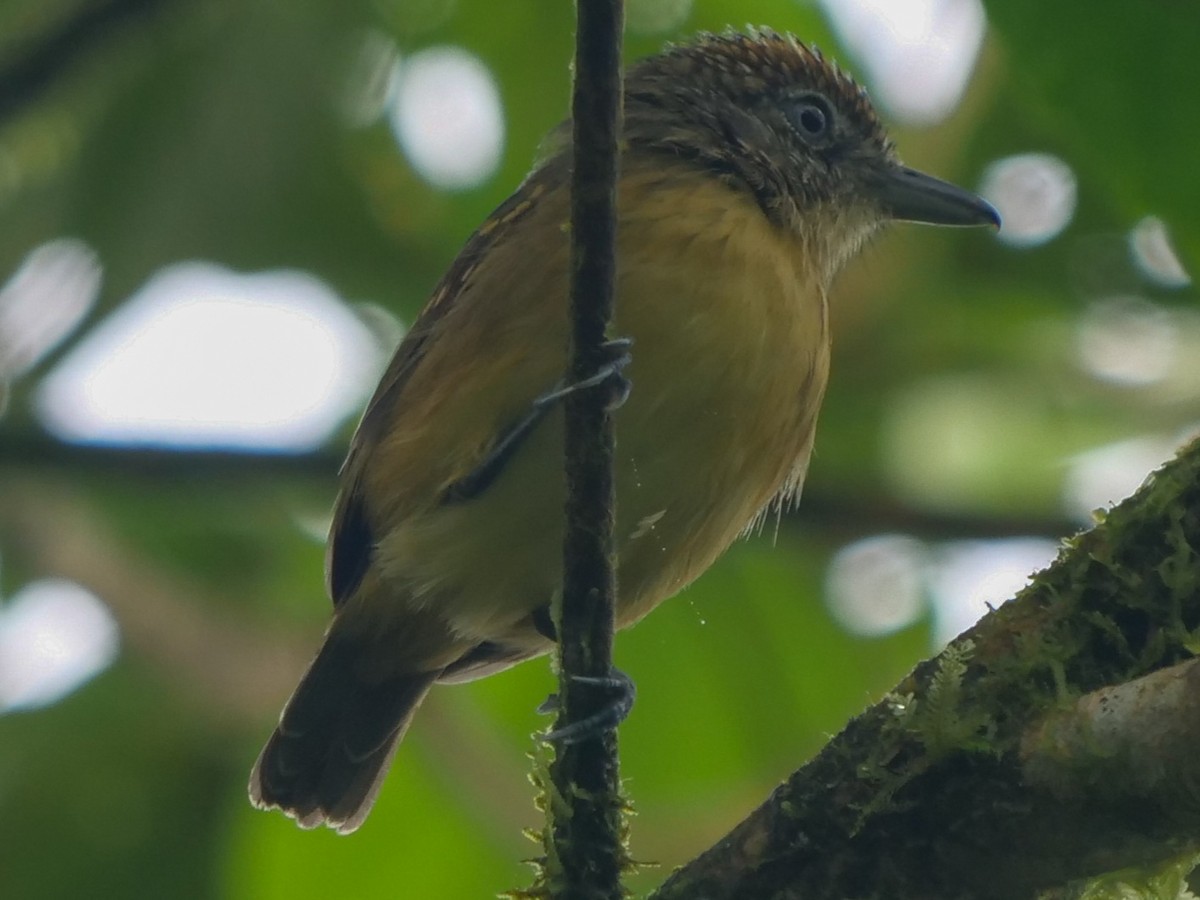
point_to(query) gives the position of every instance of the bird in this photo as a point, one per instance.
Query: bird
(752, 169)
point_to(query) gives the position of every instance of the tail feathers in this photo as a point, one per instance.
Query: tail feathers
(327, 759)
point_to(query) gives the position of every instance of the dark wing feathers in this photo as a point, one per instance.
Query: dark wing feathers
(352, 538)
(326, 761)
(350, 547)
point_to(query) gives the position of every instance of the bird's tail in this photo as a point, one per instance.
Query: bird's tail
(335, 740)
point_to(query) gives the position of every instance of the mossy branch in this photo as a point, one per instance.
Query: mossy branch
(1051, 744)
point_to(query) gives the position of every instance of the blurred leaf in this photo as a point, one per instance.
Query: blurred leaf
(218, 132)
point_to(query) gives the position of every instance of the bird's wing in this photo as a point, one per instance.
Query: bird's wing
(353, 532)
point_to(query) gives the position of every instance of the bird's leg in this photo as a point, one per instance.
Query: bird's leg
(620, 686)
(609, 376)
(622, 692)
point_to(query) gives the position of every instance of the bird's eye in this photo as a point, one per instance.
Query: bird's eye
(811, 117)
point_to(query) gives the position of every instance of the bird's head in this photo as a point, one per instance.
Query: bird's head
(772, 116)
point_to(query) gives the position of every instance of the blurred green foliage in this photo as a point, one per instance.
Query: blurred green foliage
(217, 131)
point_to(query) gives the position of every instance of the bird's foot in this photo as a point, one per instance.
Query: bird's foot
(610, 376)
(621, 694)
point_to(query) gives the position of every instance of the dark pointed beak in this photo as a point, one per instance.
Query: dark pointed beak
(911, 196)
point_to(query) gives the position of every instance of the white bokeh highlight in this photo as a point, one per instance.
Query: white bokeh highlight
(54, 636)
(1102, 476)
(44, 300)
(875, 586)
(966, 578)
(1127, 341)
(880, 584)
(1154, 254)
(203, 356)
(917, 55)
(1035, 194)
(447, 116)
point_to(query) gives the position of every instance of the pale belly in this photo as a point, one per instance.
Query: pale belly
(719, 420)
(727, 375)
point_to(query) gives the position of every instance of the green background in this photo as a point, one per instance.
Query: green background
(211, 130)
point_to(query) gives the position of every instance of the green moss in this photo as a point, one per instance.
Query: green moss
(1164, 882)
(548, 869)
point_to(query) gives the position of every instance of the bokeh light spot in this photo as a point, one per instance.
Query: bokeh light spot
(875, 586)
(1154, 254)
(918, 55)
(54, 636)
(968, 577)
(1102, 476)
(1127, 340)
(1035, 194)
(446, 114)
(205, 357)
(940, 447)
(46, 298)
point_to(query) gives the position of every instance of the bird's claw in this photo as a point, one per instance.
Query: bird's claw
(622, 694)
(609, 375)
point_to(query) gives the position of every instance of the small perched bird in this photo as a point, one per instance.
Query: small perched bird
(751, 171)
